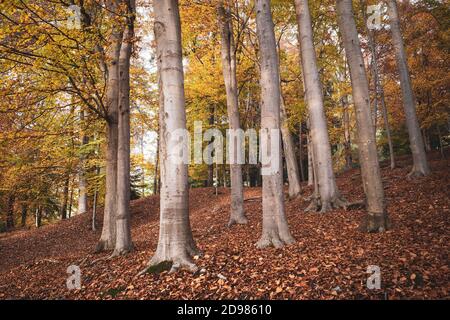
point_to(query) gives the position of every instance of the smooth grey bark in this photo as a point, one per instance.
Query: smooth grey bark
(108, 236)
(329, 196)
(38, 217)
(294, 187)
(210, 181)
(124, 243)
(275, 227)
(347, 137)
(228, 53)
(377, 218)
(82, 181)
(420, 163)
(155, 177)
(379, 90)
(310, 161)
(176, 243)
(300, 151)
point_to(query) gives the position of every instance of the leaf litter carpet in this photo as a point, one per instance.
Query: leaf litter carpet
(329, 259)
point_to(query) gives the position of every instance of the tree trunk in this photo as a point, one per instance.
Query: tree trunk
(38, 217)
(420, 163)
(379, 91)
(377, 219)
(10, 212)
(108, 237)
(310, 161)
(289, 154)
(275, 227)
(155, 177)
(24, 213)
(300, 151)
(347, 138)
(124, 243)
(210, 182)
(237, 215)
(82, 183)
(63, 211)
(329, 196)
(69, 213)
(176, 243)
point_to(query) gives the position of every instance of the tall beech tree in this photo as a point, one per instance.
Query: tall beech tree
(228, 51)
(176, 243)
(328, 196)
(379, 90)
(377, 218)
(420, 163)
(108, 237)
(123, 228)
(275, 227)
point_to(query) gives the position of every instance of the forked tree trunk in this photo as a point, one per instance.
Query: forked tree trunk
(377, 219)
(124, 243)
(329, 196)
(420, 163)
(289, 154)
(275, 227)
(176, 243)
(108, 237)
(237, 215)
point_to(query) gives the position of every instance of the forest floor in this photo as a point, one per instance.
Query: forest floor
(329, 260)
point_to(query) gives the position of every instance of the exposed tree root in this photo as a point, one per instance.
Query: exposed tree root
(121, 252)
(158, 264)
(274, 239)
(375, 222)
(317, 205)
(415, 174)
(237, 220)
(103, 246)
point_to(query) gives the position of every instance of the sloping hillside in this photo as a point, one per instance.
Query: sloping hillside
(329, 259)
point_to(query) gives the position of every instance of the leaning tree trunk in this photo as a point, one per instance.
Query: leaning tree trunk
(237, 215)
(377, 219)
(108, 237)
(329, 196)
(176, 243)
(420, 163)
(123, 216)
(82, 181)
(275, 227)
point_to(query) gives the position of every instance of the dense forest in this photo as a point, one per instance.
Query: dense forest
(239, 149)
